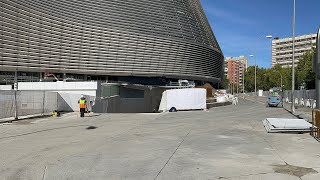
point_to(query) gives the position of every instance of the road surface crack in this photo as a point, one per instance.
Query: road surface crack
(44, 172)
(172, 155)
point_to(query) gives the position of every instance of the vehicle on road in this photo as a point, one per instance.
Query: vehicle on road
(274, 98)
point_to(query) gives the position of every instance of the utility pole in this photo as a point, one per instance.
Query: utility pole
(238, 69)
(293, 54)
(243, 71)
(316, 69)
(15, 95)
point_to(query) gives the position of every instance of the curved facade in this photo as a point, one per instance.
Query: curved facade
(158, 38)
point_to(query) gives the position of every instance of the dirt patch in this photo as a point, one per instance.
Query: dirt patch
(293, 170)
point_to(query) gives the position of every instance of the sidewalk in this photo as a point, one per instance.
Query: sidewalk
(300, 112)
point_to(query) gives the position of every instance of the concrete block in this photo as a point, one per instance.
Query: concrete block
(287, 100)
(296, 101)
(308, 103)
(5, 87)
(305, 102)
(314, 104)
(301, 102)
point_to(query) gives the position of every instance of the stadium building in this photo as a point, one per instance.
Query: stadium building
(144, 42)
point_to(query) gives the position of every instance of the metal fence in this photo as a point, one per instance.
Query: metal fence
(305, 94)
(26, 103)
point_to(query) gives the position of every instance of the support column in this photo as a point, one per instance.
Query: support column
(64, 77)
(40, 76)
(15, 95)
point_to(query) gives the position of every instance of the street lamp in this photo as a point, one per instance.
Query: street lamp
(243, 73)
(255, 75)
(270, 37)
(293, 52)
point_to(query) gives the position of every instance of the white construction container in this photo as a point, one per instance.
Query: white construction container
(183, 99)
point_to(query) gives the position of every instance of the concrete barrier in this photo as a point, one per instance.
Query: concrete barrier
(308, 103)
(296, 101)
(301, 102)
(287, 100)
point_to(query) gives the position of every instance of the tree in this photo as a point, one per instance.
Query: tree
(249, 79)
(225, 83)
(305, 75)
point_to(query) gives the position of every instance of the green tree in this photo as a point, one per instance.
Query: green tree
(225, 83)
(249, 79)
(304, 73)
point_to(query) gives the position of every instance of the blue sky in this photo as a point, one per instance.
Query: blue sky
(240, 26)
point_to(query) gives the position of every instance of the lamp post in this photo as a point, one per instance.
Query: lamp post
(270, 37)
(255, 75)
(316, 63)
(243, 72)
(293, 52)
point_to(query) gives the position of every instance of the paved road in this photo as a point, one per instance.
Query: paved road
(300, 111)
(225, 143)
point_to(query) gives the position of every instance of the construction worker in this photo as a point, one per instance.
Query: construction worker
(83, 105)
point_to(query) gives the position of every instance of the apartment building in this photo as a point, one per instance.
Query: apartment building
(282, 49)
(235, 68)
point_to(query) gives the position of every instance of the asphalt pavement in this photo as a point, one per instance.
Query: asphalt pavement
(227, 142)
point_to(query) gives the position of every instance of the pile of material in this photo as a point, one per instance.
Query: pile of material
(286, 125)
(210, 90)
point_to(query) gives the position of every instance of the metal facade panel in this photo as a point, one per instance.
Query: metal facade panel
(114, 37)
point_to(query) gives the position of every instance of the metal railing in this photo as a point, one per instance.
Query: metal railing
(315, 130)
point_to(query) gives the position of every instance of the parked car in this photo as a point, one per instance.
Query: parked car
(274, 98)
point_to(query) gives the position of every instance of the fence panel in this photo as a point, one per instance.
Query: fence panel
(28, 103)
(305, 94)
(7, 108)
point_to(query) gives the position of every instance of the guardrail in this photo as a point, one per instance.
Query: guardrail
(315, 130)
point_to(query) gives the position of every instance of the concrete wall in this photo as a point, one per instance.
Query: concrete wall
(86, 88)
(5, 87)
(68, 102)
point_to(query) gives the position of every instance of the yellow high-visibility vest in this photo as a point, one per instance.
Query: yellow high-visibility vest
(82, 103)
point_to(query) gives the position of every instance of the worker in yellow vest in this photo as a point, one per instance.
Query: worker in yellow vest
(83, 105)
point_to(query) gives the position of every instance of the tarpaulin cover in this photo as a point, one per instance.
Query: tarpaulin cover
(183, 99)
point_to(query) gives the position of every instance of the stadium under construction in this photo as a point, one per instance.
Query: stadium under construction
(140, 42)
